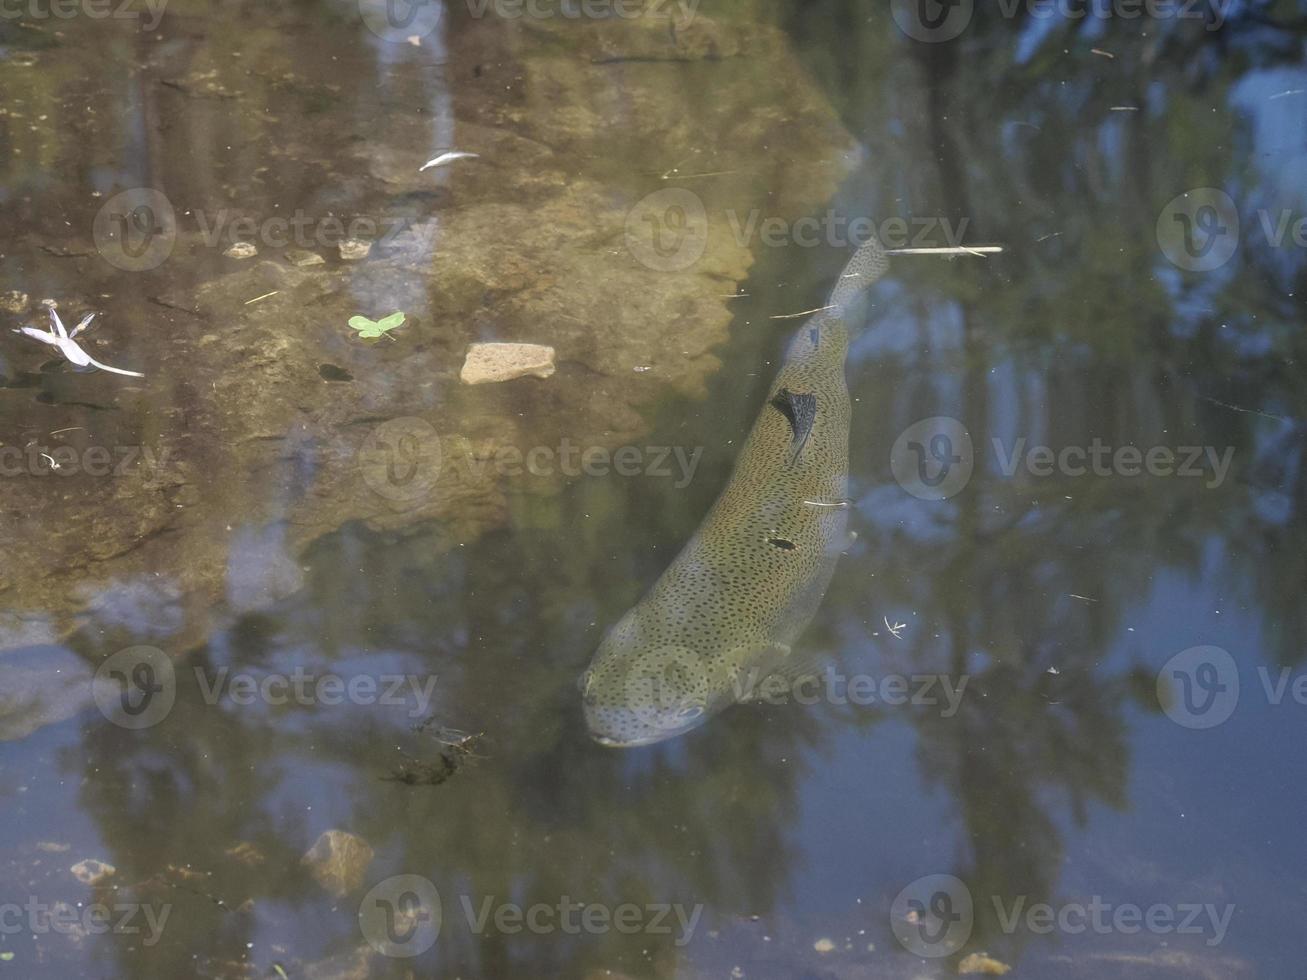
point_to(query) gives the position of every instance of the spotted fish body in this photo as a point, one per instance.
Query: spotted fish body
(728, 610)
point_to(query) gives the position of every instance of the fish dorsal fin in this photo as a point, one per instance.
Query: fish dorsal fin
(800, 410)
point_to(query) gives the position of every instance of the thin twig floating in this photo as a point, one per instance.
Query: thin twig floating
(60, 338)
(795, 316)
(896, 630)
(449, 157)
(980, 250)
(264, 296)
(1101, 53)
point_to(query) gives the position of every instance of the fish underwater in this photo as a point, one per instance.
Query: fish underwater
(727, 612)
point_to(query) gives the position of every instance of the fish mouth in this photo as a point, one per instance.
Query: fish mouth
(609, 742)
(634, 734)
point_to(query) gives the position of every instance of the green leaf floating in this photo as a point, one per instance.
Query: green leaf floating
(375, 328)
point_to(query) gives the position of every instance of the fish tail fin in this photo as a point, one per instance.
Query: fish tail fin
(868, 264)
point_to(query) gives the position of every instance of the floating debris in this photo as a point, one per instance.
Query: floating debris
(450, 157)
(978, 250)
(457, 749)
(353, 249)
(92, 872)
(338, 860)
(59, 337)
(983, 963)
(376, 328)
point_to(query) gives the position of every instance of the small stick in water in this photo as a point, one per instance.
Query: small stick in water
(980, 250)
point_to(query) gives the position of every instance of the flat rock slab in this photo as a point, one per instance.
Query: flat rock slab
(504, 362)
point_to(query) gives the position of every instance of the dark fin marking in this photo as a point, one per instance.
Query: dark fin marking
(801, 411)
(781, 543)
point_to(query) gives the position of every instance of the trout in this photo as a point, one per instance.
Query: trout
(726, 613)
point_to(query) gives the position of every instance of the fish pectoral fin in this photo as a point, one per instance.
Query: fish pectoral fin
(800, 410)
(763, 663)
(777, 669)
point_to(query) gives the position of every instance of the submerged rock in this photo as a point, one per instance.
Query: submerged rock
(338, 861)
(242, 250)
(40, 688)
(503, 362)
(92, 872)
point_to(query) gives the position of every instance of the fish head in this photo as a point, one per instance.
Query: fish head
(635, 694)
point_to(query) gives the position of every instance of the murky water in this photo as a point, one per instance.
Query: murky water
(1064, 670)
